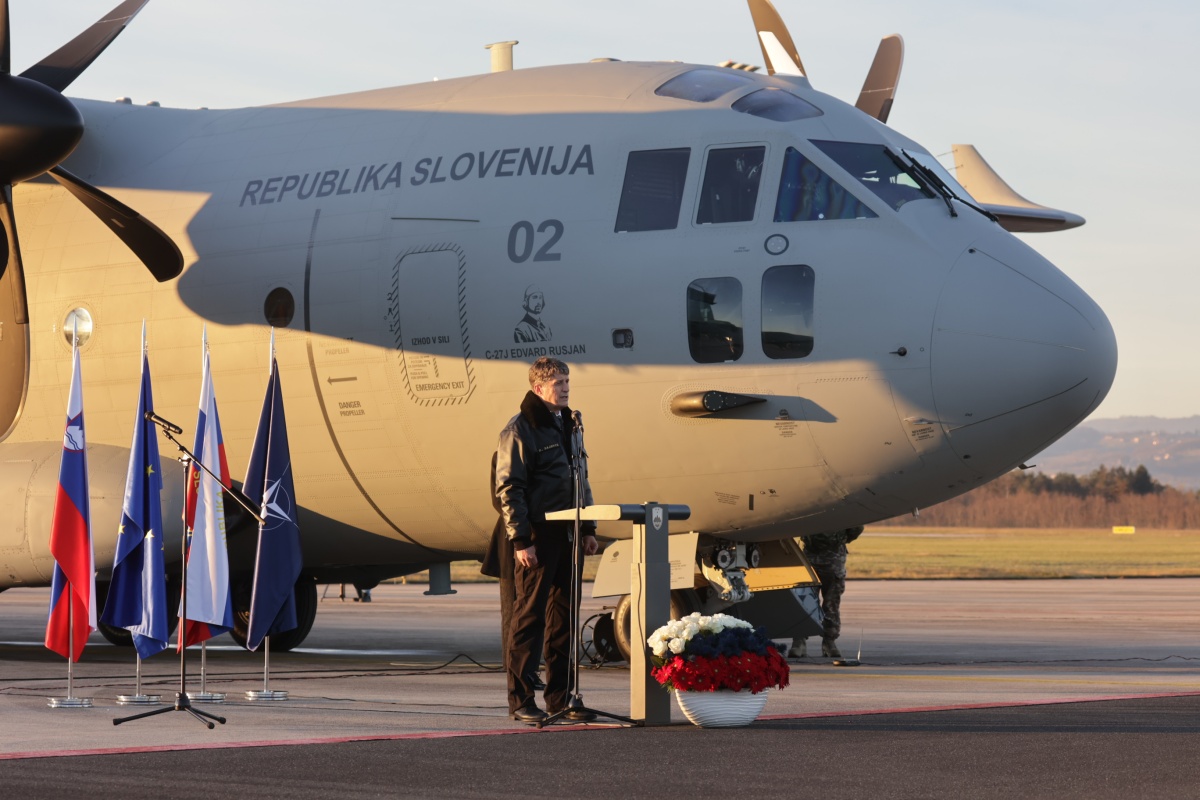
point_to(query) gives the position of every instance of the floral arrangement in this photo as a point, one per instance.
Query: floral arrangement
(704, 654)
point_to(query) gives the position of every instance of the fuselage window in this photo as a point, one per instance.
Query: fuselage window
(653, 190)
(787, 311)
(807, 193)
(703, 85)
(878, 170)
(776, 104)
(730, 188)
(714, 319)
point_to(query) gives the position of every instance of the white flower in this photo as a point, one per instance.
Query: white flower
(675, 635)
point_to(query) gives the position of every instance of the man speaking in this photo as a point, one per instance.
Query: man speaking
(534, 476)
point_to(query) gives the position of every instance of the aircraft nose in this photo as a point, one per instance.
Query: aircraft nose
(1019, 355)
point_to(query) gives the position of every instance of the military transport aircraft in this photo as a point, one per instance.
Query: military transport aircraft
(777, 309)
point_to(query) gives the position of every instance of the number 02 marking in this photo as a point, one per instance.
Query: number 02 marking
(521, 239)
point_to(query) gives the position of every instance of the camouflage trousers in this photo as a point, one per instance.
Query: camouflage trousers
(832, 574)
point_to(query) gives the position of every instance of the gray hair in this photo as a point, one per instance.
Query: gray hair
(546, 368)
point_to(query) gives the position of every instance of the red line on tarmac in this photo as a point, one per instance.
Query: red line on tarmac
(968, 706)
(391, 737)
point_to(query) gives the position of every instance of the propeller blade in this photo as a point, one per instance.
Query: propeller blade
(778, 49)
(155, 249)
(59, 69)
(5, 41)
(879, 89)
(14, 321)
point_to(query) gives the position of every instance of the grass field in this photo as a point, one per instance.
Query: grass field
(973, 553)
(916, 554)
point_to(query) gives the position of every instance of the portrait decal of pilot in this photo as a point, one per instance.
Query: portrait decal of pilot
(531, 328)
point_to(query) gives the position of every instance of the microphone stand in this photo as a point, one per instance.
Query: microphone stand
(182, 701)
(575, 705)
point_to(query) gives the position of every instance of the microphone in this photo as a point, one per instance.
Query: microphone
(157, 420)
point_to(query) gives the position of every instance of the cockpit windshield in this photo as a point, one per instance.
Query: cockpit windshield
(776, 104)
(704, 85)
(873, 166)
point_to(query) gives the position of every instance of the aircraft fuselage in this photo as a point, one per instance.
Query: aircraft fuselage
(418, 247)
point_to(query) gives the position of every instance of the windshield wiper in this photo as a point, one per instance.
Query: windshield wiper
(944, 189)
(925, 176)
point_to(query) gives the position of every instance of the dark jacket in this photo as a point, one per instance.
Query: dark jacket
(831, 544)
(533, 472)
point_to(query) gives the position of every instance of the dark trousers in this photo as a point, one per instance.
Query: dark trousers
(832, 575)
(508, 598)
(541, 611)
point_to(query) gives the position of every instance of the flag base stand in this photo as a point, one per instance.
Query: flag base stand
(139, 699)
(207, 697)
(266, 694)
(69, 702)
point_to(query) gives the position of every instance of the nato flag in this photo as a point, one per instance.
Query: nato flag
(277, 566)
(137, 596)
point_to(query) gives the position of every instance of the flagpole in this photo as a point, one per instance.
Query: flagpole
(137, 698)
(266, 694)
(272, 604)
(205, 696)
(71, 701)
(182, 700)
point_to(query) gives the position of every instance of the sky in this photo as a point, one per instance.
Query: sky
(1083, 105)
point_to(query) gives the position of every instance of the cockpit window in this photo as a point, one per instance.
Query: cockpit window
(776, 104)
(787, 311)
(878, 170)
(730, 189)
(704, 85)
(714, 319)
(807, 193)
(933, 165)
(653, 190)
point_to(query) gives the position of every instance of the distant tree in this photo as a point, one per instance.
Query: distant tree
(1100, 499)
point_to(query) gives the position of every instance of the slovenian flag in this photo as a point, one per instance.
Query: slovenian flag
(209, 605)
(137, 595)
(73, 589)
(279, 561)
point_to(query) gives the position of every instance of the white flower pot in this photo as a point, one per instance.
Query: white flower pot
(723, 708)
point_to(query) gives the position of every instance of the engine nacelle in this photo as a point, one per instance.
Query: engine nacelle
(28, 485)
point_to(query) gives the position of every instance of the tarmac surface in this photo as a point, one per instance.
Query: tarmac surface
(1083, 688)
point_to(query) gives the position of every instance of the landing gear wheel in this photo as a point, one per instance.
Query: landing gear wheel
(597, 640)
(306, 614)
(683, 602)
(121, 637)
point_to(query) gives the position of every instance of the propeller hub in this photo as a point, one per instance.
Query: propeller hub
(38, 128)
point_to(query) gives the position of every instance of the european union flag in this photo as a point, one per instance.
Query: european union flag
(137, 595)
(269, 478)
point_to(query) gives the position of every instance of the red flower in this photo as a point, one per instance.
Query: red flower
(743, 671)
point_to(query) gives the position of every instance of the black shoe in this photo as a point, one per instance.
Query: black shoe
(536, 682)
(530, 715)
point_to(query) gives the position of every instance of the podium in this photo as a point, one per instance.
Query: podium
(649, 593)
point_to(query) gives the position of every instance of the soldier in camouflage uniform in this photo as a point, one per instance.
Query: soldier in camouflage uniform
(827, 554)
